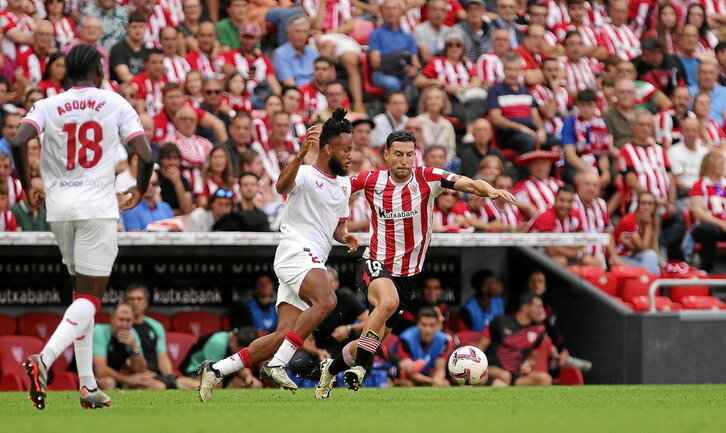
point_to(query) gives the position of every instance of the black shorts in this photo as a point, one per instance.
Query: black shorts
(367, 270)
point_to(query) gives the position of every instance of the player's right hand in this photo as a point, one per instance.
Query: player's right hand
(132, 198)
(312, 136)
(35, 196)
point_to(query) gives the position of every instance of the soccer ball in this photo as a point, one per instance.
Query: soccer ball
(468, 365)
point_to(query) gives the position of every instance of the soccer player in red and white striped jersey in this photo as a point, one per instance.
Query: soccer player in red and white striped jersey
(402, 202)
(620, 39)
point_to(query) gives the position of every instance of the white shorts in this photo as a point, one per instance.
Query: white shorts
(343, 44)
(292, 263)
(88, 247)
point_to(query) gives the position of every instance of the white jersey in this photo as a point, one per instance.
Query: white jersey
(82, 128)
(315, 206)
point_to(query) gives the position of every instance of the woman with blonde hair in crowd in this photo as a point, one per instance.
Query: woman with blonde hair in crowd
(433, 106)
(489, 168)
(708, 202)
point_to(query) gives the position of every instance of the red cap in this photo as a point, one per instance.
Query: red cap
(534, 155)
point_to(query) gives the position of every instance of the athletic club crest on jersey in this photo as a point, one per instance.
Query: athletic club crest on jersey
(413, 188)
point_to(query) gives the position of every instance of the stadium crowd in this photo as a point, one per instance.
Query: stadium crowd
(601, 116)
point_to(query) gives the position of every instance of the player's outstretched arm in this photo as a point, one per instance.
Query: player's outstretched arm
(146, 165)
(348, 239)
(286, 181)
(482, 188)
(19, 144)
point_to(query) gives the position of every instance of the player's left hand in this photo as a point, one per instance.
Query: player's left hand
(506, 195)
(351, 241)
(132, 198)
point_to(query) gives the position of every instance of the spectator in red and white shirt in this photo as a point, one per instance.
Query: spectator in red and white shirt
(711, 134)
(563, 217)
(291, 98)
(708, 202)
(446, 219)
(8, 223)
(641, 16)
(261, 126)
(667, 27)
(457, 76)
(645, 167)
(235, 94)
(14, 190)
(590, 34)
(17, 28)
(256, 67)
(619, 39)
(278, 147)
(172, 100)
(585, 141)
(64, 28)
(157, 17)
(537, 14)
(645, 93)
(313, 95)
(701, 17)
(54, 75)
(532, 52)
(537, 193)
(175, 66)
(149, 84)
(489, 66)
(194, 149)
(479, 214)
(594, 212)
(668, 122)
(90, 31)
(217, 173)
(636, 236)
(31, 63)
(557, 12)
(206, 58)
(579, 70)
(507, 213)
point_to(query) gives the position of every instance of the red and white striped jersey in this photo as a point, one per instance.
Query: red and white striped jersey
(175, 69)
(313, 101)
(556, 13)
(509, 214)
(580, 75)
(621, 41)
(590, 35)
(596, 15)
(707, 44)
(650, 165)
(175, 9)
(160, 18)
(489, 68)
(714, 6)
(208, 186)
(538, 192)
(410, 18)
(164, 129)
(401, 215)
(548, 222)
(261, 129)
(713, 195)
(8, 223)
(553, 126)
(336, 12)
(713, 134)
(237, 104)
(485, 213)
(256, 69)
(209, 67)
(32, 66)
(275, 159)
(446, 219)
(542, 93)
(150, 92)
(641, 16)
(595, 219)
(65, 32)
(15, 191)
(668, 127)
(298, 129)
(49, 88)
(194, 151)
(9, 20)
(588, 147)
(441, 69)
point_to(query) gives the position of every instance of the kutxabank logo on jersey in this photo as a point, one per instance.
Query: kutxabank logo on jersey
(383, 214)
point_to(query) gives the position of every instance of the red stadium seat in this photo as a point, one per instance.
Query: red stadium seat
(362, 30)
(570, 376)
(677, 293)
(197, 323)
(39, 325)
(468, 338)
(596, 276)
(13, 350)
(178, 345)
(633, 287)
(64, 381)
(161, 318)
(7, 325)
(456, 123)
(702, 303)
(102, 317)
(226, 323)
(368, 88)
(641, 304)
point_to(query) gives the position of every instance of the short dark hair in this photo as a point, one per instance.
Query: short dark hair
(720, 47)
(324, 59)
(247, 173)
(402, 136)
(241, 115)
(427, 312)
(136, 18)
(566, 188)
(81, 60)
(575, 2)
(433, 147)
(7, 115)
(479, 277)
(286, 89)
(168, 87)
(526, 299)
(394, 93)
(571, 34)
(150, 52)
(137, 286)
(652, 43)
(245, 336)
(586, 95)
(336, 125)
(169, 149)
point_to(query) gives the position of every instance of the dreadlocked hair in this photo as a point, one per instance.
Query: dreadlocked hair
(336, 125)
(81, 60)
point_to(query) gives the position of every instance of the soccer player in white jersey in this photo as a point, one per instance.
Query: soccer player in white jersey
(402, 203)
(315, 215)
(81, 131)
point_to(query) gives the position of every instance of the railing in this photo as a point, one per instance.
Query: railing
(668, 282)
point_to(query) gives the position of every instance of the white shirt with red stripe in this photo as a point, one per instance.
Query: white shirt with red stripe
(9, 20)
(447, 219)
(595, 219)
(8, 222)
(32, 66)
(650, 165)
(596, 15)
(175, 9)
(209, 67)
(580, 74)
(261, 129)
(538, 192)
(194, 149)
(489, 68)
(65, 32)
(485, 213)
(556, 13)
(713, 134)
(150, 92)
(441, 69)
(274, 159)
(160, 18)
(509, 214)
(175, 69)
(641, 16)
(237, 103)
(712, 194)
(401, 216)
(548, 222)
(312, 100)
(714, 6)
(621, 41)
(261, 64)
(665, 126)
(542, 93)
(707, 44)
(336, 12)
(590, 35)
(15, 191)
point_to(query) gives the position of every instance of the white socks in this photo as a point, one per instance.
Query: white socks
(83, 347)
(229, 364)
(75, 321)
(287, 349)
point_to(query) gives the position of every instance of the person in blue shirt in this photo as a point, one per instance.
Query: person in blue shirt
(259, 312)
(476, 313)
(11, 121)
(294, 60)
(149, 209)
(389, 41)
(421, 352)
(708, 83)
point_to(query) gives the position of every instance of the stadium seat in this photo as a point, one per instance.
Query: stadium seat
(702, 303)
(197, 323)
(161, 318)
(39, 325)
(102, 317)
(178, 345)
(677, 293)
(64, 381)
(570, 375)
(641, 304)
(226, 323)
(368, 88)
(13, 350)
(596, 276)
(633, 287)
(7, 325)
(468, 338)
(362, 30)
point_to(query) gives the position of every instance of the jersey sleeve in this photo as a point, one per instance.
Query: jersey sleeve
(129, 125)
(697, 189)
(300, 178)
(429, 70)
(542, 224)
(445, 179)
(160, 335)
(37, 117)
(358, 182)
(568, 131)
(101, 339)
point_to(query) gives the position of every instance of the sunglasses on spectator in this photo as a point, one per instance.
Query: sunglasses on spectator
(213, 91)
(224, 193)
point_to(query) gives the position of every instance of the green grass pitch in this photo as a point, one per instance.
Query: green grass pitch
(588, 409)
